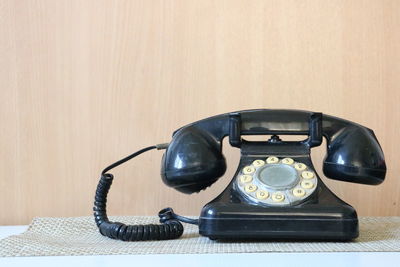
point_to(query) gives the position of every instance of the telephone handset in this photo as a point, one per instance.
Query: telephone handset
(275, 193)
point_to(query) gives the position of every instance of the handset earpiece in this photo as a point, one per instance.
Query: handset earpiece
(354, 154)
(193, 160)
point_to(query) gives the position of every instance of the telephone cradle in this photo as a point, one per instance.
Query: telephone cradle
(275, 193)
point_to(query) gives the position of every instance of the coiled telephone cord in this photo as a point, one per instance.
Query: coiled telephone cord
(170, 227)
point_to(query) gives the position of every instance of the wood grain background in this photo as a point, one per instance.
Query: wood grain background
(84, 83)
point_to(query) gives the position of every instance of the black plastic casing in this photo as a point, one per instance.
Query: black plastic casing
(193, 161)
(323, 216)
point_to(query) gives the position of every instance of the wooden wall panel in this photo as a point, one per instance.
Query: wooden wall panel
(84, 83)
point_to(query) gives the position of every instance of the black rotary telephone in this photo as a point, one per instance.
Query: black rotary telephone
(275, 192)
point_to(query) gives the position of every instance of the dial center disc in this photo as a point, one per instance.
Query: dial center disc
(279, 176)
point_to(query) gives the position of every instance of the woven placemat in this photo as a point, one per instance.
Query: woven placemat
(80, 236)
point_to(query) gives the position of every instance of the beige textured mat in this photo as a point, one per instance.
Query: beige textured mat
(79, 236)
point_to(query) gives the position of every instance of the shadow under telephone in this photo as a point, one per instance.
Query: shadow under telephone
(275, 193)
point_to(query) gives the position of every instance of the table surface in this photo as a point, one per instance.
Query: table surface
(234, 259)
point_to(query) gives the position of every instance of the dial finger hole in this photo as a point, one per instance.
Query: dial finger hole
(271, 160)
(288, 161)
(258, 163)
(261, 194)
(250, 188)
(299, 192)
(300, 166)
(307, 175)
(246, 179)
(307, 184)
(248, 170)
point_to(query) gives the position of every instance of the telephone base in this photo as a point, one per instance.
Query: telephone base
(222, 221)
